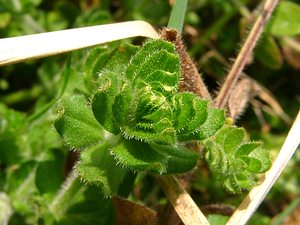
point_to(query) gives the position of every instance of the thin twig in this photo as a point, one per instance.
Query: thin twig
(182, 202)
(258, 193)
(26, 47)
(241, 60)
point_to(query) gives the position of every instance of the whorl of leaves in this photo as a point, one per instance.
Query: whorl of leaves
(142, 102)
(136, 120)
(234, 161)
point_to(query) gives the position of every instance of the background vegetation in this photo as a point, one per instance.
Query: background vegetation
(33, 159)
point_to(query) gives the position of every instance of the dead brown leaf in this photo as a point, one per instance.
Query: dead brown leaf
(131, 213)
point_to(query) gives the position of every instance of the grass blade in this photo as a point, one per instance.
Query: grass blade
(182, 202)
(177, 15)
(287, 211)
(26, 47)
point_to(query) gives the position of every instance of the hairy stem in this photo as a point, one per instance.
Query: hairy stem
(191, 81)
(69, 188)
(182, 202)
(241, 60)
(190, 78)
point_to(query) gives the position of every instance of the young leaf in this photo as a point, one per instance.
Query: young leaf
(120, 58)
(76, 123)
(190, 112)
(233, 162)
(233, 139)
(103, 100)
(142, 56)
(215, 120)
(12, 126)
(97, 166)
(180, 159)
(52, 170)
(286, 19)
(95, 60)
(139, 156)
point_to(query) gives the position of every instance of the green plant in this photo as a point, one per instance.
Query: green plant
(133, 117)
(136, 100)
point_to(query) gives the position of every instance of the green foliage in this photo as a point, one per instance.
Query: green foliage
(137, 101)
(286, 20)
(141, 102)
(12, 125)
(98, 166)
(36, 186)
(77, 124)
(268, 53)
(34, 160)
(215, 219)
(234, 161)
(51, 166)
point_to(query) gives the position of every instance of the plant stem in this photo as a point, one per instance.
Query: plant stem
(177, 15)
(241, 60)
(182, 202)
(243, 213)
(69, 188)
(190, 78)
(65, 78)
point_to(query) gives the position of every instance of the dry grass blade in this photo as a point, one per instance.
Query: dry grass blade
(258, 193)
(26, 47)
(182, 202)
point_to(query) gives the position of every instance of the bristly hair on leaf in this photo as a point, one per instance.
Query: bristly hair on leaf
(141, 104)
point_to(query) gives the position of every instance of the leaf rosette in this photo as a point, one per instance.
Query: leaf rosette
(143, 102)
(136, 120)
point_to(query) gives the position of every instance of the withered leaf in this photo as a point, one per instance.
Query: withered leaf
(131, 213)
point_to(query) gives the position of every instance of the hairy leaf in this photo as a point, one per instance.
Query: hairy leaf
(49, 174)
(180, 159)
(12, 126)
(95, 60)
(76, 123)
(143, 104)
(137, 99)
(97, 166)
(139, 156)
(234, 162)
